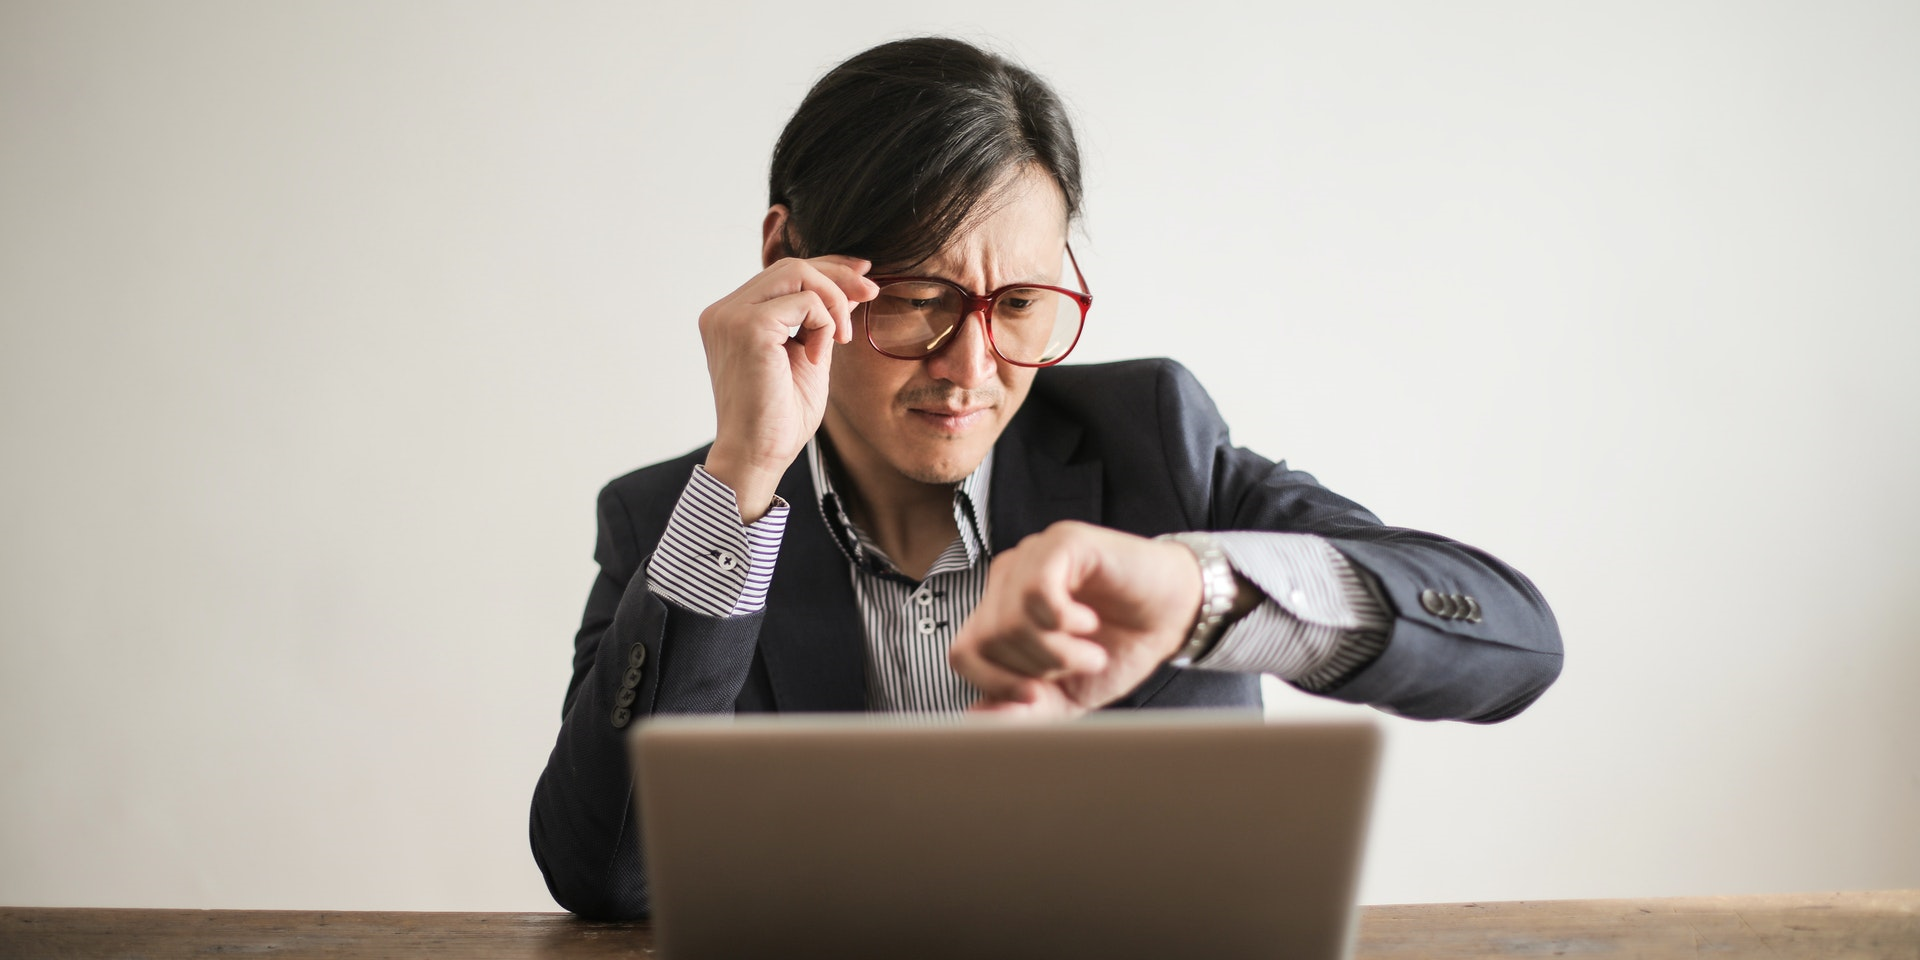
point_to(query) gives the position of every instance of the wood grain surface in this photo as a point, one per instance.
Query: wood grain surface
(1829, 926)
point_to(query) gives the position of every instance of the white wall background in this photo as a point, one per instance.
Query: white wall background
(321, 324)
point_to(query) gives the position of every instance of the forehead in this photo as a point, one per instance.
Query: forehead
(1020, 234)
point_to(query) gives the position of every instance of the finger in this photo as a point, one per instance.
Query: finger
(1019, 655)
(850, 273)
(794, 276)
(847, 274)
(843, 260)
(1047, 656)
(803, 310)
(1073, 654)
(1006, 709)
(812, 341)
(994, 681)
(1044, 709)
(815, 337)
(1050, 608)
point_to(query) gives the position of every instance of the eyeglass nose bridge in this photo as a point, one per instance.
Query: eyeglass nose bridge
(975, 304)
(970, 305)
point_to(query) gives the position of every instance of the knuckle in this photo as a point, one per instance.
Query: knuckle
(1040, 608)
(1062, 529)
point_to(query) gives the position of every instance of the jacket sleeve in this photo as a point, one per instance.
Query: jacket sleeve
(636, 655)
(1444, 657)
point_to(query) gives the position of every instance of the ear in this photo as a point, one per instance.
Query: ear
(773, 236)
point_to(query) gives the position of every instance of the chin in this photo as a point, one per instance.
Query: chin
(939, 477)
(950, 468)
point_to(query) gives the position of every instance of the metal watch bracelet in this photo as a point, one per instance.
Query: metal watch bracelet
(1217, 591)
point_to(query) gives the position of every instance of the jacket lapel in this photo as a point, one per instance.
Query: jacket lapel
(1038, 479)
(812, 639)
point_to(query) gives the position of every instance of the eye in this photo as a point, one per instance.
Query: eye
(1019, 302)
(913, 296)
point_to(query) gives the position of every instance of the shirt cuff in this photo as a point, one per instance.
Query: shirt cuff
(1319, 621)
(708, 561)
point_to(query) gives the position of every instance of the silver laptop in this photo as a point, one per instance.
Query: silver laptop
(1153, 834)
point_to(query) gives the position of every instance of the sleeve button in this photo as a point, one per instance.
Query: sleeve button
(1430, 601)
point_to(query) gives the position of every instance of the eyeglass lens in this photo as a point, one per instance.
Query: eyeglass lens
(917, 317)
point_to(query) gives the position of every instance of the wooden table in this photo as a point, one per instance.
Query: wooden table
(1883, 926)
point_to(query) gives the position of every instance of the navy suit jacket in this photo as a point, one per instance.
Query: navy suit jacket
(1136, 446)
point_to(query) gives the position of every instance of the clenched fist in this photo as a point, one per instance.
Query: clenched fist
(1074, 617)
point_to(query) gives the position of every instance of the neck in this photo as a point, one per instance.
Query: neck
(912, 521)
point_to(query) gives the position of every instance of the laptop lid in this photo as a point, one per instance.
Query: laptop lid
(1143, 834)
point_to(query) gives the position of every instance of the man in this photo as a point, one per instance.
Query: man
(906, 507)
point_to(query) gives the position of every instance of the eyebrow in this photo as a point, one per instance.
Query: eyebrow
(1026, 280)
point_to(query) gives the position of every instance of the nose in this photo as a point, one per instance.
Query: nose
(967, 360)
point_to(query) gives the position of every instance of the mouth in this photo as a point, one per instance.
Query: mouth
(951, 420)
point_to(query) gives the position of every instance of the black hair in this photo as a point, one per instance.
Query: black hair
(899, 148)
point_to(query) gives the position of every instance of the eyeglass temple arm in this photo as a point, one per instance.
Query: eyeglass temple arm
(1076, 272)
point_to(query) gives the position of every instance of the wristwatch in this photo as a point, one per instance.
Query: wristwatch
(1217, 591)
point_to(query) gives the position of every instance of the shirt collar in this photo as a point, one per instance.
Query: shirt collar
(969, 510)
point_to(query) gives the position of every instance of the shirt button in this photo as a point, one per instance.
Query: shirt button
(725, 560)
(924, 598)
(1297, 597)
(925, 627)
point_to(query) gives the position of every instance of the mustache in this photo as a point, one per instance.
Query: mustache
(938, 397)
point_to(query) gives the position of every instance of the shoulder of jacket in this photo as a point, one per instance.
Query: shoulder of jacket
(1155, 391)
(657, 483)
(1143, 373)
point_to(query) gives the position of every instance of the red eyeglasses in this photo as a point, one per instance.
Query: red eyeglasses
(1027, 324)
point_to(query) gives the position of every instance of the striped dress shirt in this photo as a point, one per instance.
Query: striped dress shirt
(1319, 620)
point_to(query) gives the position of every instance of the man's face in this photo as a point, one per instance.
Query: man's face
(933, 420)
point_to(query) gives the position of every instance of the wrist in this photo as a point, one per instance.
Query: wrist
(1219, 599)
(753, 487)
